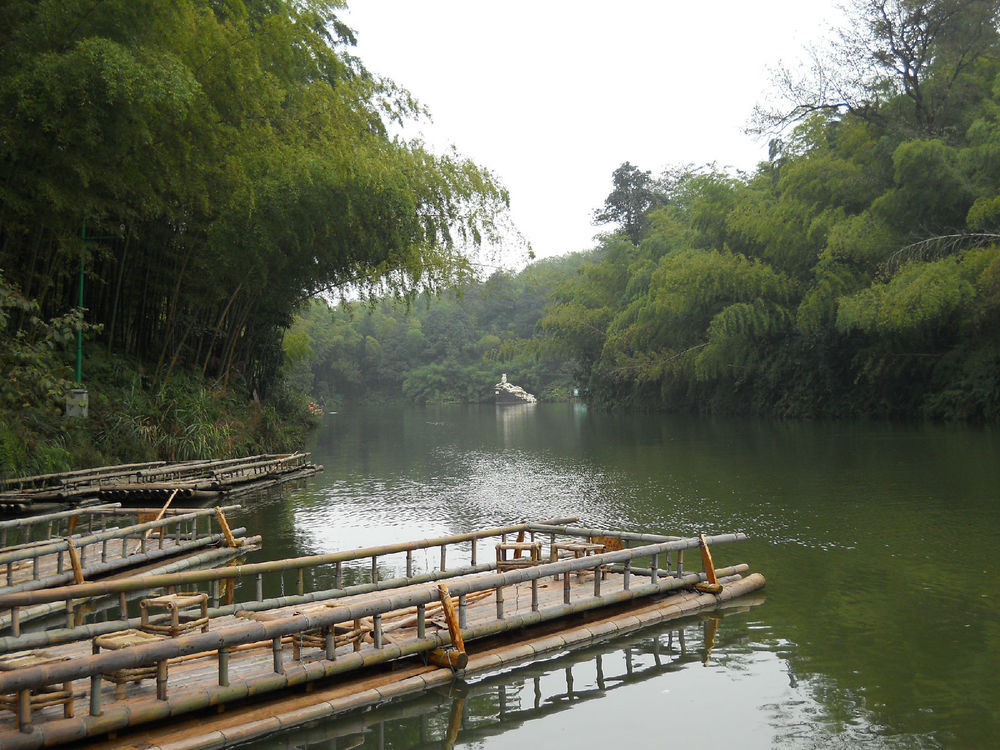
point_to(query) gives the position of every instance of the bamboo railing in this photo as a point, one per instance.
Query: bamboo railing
(225, 578)
(23, 528)
(183, 527)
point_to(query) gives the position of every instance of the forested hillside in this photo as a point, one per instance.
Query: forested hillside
(856, 272)
(200, 168)
(450, 348)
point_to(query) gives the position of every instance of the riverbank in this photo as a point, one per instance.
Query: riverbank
(132, 419)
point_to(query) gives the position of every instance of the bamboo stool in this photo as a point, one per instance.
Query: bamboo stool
(534, 550)
(180, 621)
(24, 701)
(127, 639)
(575, 549)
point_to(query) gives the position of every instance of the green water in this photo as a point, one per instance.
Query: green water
(879, 626)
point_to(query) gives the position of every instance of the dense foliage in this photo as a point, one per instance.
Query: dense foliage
(206, 165)
(450, 348)
(856, 272)
(227, 158)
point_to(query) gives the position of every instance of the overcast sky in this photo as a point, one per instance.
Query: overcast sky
(553, 95)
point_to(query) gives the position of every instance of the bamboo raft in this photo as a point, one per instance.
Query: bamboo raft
(445, 716)
(353, 645)
(200, 481)
(91, 549)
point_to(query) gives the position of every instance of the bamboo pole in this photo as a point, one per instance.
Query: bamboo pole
(158, 517)
(631, 536)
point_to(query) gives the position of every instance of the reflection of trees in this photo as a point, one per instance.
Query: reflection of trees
(472, 712)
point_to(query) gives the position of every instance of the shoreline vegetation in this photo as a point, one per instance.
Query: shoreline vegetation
(175, 179)
(184, 185)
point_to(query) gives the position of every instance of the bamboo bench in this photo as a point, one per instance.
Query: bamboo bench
(178, 606)
(534, 550)
(24, 701)
(120, 677)
(575, 550)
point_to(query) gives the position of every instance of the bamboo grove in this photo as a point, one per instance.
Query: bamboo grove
(855, 272)
(206, 165)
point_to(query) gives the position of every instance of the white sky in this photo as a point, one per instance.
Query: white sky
(553, 95)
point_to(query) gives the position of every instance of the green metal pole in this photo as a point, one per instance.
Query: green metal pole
(79, 331)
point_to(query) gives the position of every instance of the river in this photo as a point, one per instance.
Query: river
(879, 626)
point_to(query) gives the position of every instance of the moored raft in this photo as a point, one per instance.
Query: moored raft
(530, 593)
(154, 482)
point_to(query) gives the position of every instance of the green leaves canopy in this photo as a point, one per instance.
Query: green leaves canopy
(233, 157)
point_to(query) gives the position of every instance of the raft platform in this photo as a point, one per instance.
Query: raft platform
(156, 481)
(544, 588)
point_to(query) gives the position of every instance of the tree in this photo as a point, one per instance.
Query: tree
(915, 54)
(634, 195)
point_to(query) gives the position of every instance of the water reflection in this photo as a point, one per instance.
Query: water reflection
(657, 673)
(512, 421)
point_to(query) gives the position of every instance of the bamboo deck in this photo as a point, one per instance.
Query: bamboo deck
(350, 647)
(190, 673)
(200, 481)
(531, 654)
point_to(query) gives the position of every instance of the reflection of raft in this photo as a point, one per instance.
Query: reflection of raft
(260, 648)
(508, 394)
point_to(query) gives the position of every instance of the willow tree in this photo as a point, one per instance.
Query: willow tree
(212, 163)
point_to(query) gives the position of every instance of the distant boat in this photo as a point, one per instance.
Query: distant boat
(508, 394)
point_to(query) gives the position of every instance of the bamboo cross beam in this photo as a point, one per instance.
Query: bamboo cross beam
(46, 517)
(711, 584)
(224, 525)
(74, 559)
(456, 657)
